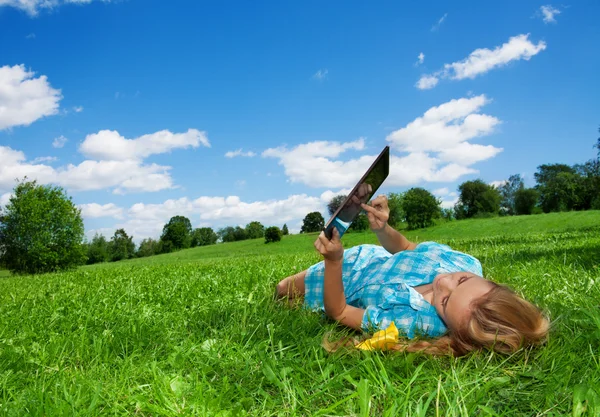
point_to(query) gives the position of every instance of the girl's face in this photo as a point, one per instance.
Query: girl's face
(453, 294)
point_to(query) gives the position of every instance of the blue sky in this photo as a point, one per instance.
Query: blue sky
(228, 112)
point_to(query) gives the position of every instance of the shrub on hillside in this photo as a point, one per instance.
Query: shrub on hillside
(273, 234)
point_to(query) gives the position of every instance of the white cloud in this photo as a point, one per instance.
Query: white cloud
(120, 176)
(310, 163)
(420, 59)
(320, 74)
(30, 36)
(25, 98)
(483, 60)
(437, 25)
(110, 145)
(78, 109)
(4, 199)
(499, 183)
(59, 142)
(95, 210)
(440, 192)
(427, 82)
(434, 144)
(445, 126)
(44, 159)
(548, 12)
(33, 7)
(239, 152)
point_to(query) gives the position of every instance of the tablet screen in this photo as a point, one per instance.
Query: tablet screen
(361, 193)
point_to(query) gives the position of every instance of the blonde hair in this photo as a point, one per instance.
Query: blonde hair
(500, 321)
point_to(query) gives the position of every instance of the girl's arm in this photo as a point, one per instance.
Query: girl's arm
(334, 299)
(379, 213)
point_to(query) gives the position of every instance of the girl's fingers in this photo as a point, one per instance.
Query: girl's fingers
(368, 208)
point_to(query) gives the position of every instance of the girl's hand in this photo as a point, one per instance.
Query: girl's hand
(332, 250)
(378, 213)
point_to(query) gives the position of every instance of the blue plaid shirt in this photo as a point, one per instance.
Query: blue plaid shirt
(383, 285)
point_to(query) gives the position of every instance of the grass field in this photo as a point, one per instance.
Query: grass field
(197, 333)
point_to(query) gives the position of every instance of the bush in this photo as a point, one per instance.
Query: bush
(273, 234)
(41, 230)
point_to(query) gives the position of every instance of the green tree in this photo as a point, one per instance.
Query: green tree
(551, 178)
(313, 222)
(239, 233)
(255, 230)
(203, 236)
(97, 250)
(148, 247)
(226, 234)
(335, 203)
(508, 191)
(397, 214)
(285, 230)
(121, 246)
(420, 207)
(273, 234)
(41, 230)
(525, 200)
(476, 199)
(177, 231)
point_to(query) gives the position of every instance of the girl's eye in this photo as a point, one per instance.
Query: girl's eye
(462, 279)
(444, 301)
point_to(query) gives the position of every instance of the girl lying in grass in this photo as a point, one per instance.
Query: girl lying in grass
(427, 290)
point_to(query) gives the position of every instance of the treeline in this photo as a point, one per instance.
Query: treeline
(177, 234)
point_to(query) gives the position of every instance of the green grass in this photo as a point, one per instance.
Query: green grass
(197, 333)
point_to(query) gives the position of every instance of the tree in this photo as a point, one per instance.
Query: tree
(41, 230)
(178, 231)
(397, 214)
(476, 199)
(508, 191)
(525, 200)
(272, 234)
(313, 222)
(121, 246)
(335, 203)
(203, 236)
(255, 230)
(421, 207)
(239, 233)
(285, 230)
(97, 250)
(549, 182)
(226, 234)
(149, 247)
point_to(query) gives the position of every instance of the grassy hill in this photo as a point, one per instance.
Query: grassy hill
(197, 333)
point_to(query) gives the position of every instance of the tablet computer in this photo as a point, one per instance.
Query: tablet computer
(361, 193)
